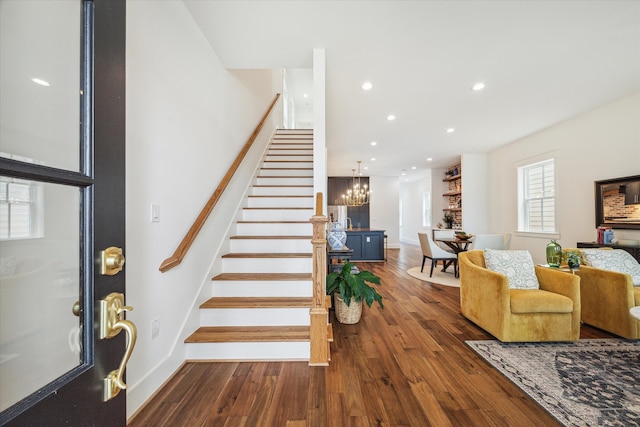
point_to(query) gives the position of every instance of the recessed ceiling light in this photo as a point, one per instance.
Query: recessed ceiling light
(366, 167)
(367, 85)
(373, 159)
(40, 82)
(478, 86)
(305, 95)
(373, 143)
(403, 173)
(429, 159)
(451, 130)
(391, 117)
(413, 167)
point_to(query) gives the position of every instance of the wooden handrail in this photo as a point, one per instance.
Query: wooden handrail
(191, 235)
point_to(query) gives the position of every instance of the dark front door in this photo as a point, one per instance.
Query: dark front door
(62, 194)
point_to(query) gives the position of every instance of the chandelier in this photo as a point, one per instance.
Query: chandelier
(358, 194)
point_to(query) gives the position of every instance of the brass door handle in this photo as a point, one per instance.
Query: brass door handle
(112, 321)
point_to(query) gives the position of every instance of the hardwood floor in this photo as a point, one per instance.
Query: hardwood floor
(404, 365)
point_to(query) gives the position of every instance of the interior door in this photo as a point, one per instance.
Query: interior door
(62, 204)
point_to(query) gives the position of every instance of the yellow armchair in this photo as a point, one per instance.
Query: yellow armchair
(551, 313)
(606, 299)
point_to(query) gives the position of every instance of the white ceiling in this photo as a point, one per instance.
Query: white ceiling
(542, 62)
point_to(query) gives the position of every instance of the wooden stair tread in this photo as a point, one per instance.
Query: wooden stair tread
(267, 255)
(288, 161)
(263, 276)
(282, 186)
(209, 334)
(284, 176)
(280, 196)
(250, 237)
(281, 209)
(271, 222)
(258, 302)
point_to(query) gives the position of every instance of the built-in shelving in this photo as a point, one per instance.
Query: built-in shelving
(454, 194)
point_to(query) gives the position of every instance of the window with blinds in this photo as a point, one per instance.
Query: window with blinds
(426, 209)
(537, 209)
(17, 198)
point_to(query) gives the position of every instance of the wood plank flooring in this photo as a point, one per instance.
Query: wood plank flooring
(404, 365)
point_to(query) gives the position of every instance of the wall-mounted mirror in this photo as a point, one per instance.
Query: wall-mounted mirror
(618, 202)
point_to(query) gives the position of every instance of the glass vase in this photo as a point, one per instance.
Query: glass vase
(554, 254)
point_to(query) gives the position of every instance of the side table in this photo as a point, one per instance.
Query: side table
(336, 258)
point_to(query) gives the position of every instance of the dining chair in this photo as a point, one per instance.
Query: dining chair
(506, 243)
(488, 241)
(435, 253)
(444, 234)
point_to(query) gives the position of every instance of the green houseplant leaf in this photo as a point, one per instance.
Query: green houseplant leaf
(355, 285)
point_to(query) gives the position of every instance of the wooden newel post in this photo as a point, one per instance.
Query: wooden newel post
(319, 329)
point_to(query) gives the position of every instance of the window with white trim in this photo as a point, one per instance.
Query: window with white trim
(18, 204)
(536, 195)
(426, 209)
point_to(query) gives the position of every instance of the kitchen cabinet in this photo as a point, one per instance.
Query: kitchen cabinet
(367, 244)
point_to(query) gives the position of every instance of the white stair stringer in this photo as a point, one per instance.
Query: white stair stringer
(259, 305)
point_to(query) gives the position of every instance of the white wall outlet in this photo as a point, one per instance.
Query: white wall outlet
(368, 239)
(155, 328)
(155, 213)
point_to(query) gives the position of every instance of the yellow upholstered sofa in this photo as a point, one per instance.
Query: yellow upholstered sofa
(606, 297)
(550, 313)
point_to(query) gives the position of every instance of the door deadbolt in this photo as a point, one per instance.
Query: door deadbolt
(111, 261)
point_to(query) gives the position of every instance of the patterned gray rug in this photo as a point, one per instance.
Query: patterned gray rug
(585, 383)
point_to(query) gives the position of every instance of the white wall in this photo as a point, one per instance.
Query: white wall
(187, 119)
(383, 209)
(600, 144)
(475, 202)
(411, 194)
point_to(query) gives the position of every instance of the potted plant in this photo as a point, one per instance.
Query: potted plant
(448, 219)
(350, 289)
(572, 258)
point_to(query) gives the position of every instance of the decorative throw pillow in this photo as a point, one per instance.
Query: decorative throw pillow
(615, 260)
(516, 265)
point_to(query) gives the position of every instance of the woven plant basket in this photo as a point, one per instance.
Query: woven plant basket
(347, 314)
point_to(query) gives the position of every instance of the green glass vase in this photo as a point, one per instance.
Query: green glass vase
(554, 254)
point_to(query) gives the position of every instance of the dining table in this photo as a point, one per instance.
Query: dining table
(456, 244)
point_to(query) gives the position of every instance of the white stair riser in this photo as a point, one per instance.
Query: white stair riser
(288, 150)
(271, 245)
(287, 164)
(281, 202)
(276, 228)
(255, 288)
(277, 214)
(266, 265)
(254, 316)
(272, 180)
(294, 172)
(303, 158)
(249, 351)
(292, 139)
(283, 191)
(302, 132)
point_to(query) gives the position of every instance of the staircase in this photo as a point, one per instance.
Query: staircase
(259, 305)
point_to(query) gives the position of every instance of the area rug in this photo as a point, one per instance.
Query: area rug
(585, 383)
(439, 277)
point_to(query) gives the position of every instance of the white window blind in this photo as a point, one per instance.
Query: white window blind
(17, 198)
(537, 209)
(426, 209)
